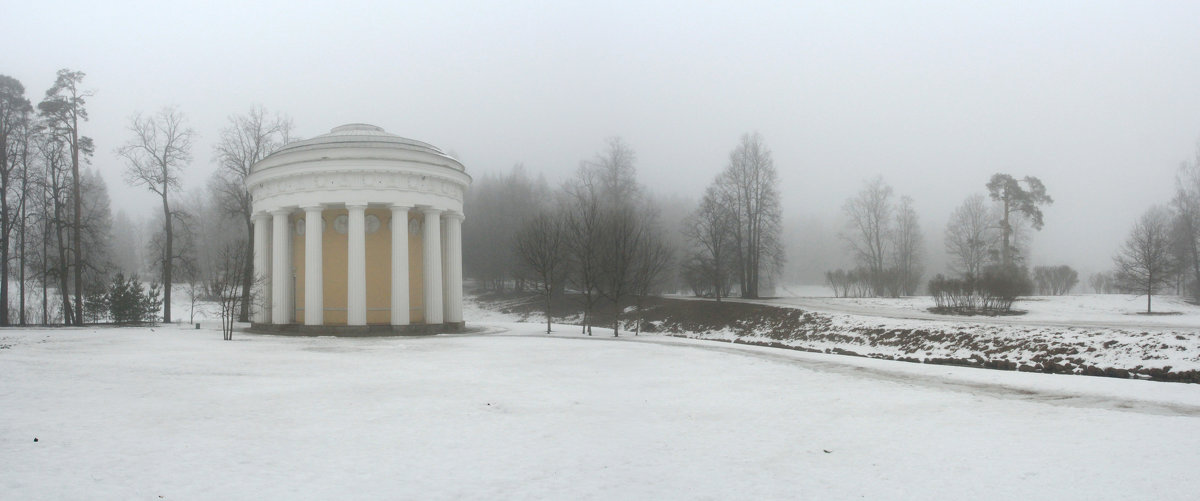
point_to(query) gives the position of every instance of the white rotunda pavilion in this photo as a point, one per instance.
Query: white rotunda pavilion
(358, 231)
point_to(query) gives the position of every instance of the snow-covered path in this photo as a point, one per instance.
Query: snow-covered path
(134, 414)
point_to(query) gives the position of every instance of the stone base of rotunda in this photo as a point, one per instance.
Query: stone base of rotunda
(359, 330)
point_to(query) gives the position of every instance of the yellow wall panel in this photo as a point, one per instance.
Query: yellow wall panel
(379, 269)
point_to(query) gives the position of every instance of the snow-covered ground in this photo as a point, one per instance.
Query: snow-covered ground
(170, 413)
(1078, 310)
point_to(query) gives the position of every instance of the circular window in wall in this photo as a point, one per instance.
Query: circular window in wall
(372, 223)
(341, 224)
(414, 226)
(300, 227)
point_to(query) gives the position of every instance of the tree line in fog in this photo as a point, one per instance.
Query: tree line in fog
(69, 260)
(601, 234)
(600, 237)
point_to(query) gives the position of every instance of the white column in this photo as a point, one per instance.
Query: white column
(262, 268)
(356, 258)
(314, 294)
(445, 271)
(431, 269)
(400, 302)
(281, 269)
(453, 267)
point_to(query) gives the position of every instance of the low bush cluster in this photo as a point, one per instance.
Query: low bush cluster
(861, 282)
(1055, 280)
(993, 292)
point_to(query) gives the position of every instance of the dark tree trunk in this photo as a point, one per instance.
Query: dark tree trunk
(548, 297)
(1005, 252)
(46, 273)
(167, 258)
(4, 228)
(78, 218)
(63, 275)
(248, 274)
(21, 258)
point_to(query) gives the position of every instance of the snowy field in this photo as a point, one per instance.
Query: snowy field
(169, 413)
(1083, 310)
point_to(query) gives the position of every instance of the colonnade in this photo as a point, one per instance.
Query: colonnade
(441, 266)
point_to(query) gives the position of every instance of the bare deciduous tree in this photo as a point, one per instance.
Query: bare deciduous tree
(752, 187)
(225, 283)
(870, 217)
(710, 229)
(609, 223)
(1187, 209)
(584, 233)
(1144, 261)
(160, 147)
(971, 236)
(542, 246)
(623, 233)
(243, 142)
(499, 204)
(907, 245)
(652, 260)
(622, 223)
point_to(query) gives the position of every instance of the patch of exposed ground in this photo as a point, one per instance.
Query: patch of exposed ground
(1158, 354)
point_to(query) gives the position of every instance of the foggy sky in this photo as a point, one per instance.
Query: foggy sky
(1101, 100)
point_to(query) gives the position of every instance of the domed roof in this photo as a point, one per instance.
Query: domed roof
(354, 136)
(359, 135)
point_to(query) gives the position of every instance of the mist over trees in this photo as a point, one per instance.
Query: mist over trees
(160, 147)
(61, 111)
(498, 204)
(736, 231)
(69, 258)
(1055, 280)
(614, 240)
(14, 116)
(600, 237)
(246, 139)
(1186, 207)
(1023, 198)
(709, 270)
(1144, 261)
(51, 209)
(972, 236)
(542, 247)
(886, 240)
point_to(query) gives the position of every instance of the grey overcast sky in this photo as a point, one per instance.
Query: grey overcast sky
(1101, 100)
